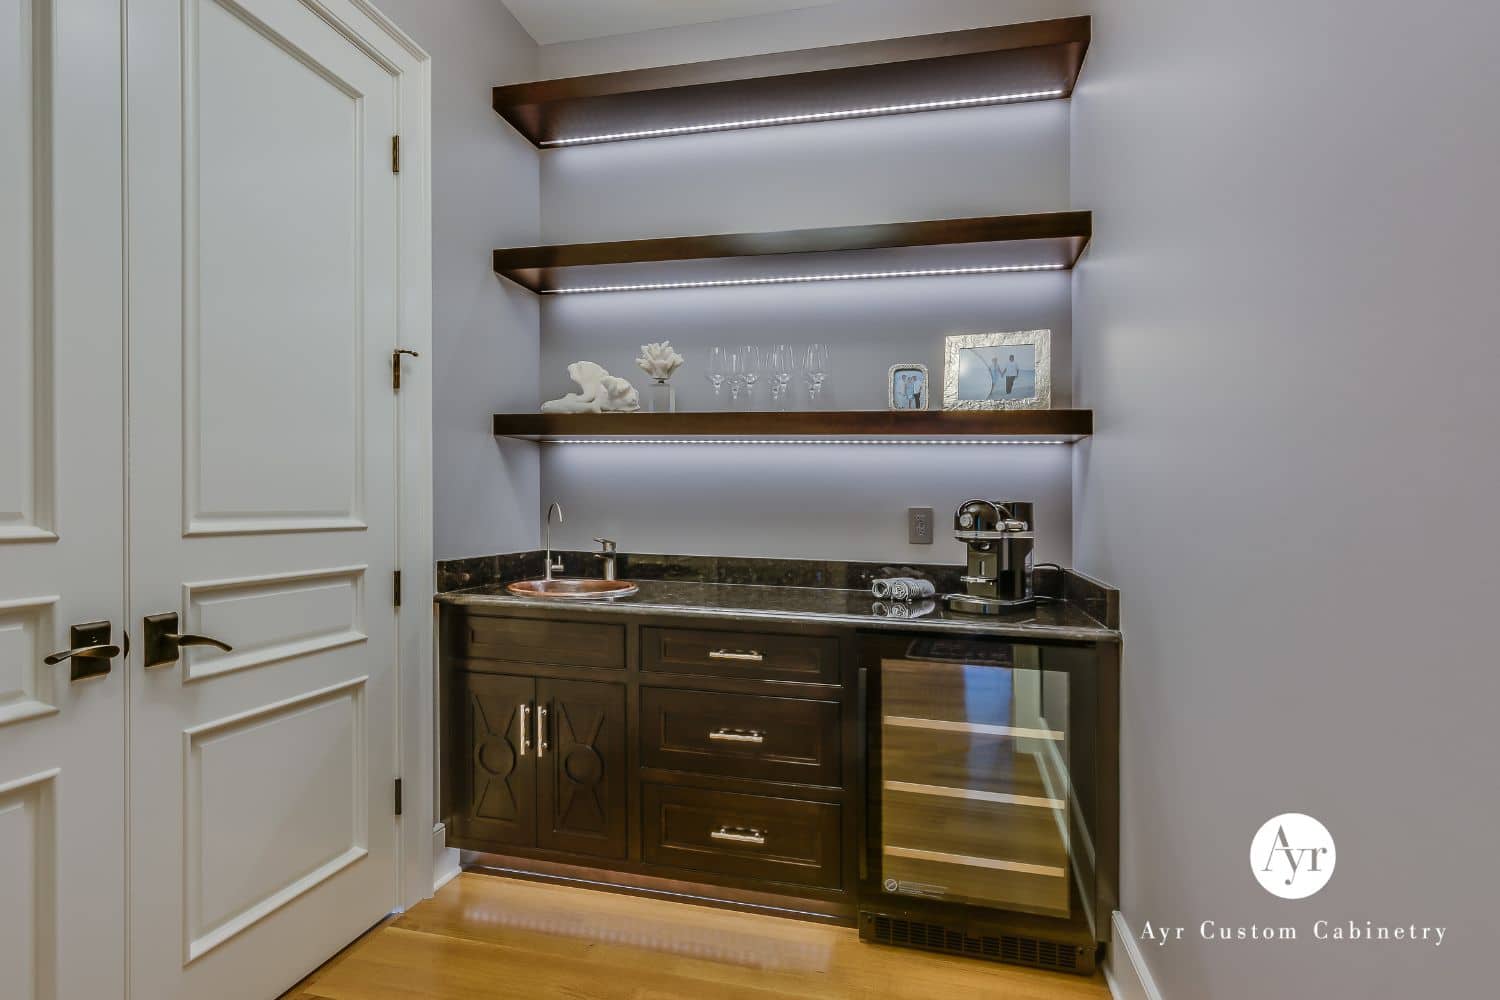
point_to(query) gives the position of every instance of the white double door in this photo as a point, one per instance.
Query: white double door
(199, 295)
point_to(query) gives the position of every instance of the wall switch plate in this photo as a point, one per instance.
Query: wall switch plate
(919, 525)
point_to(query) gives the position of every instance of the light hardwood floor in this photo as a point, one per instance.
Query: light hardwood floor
(489, 937)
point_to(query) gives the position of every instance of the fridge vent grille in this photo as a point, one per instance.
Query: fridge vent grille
(1002, 948)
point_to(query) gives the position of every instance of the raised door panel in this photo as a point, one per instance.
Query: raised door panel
(28, 888)
(496, 787)
(26, 340)
(259, 108)
(299, 764)
(583, 808)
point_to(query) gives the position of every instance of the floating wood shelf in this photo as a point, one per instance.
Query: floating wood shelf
(830, 426)
(1013, 63)
(988, 245)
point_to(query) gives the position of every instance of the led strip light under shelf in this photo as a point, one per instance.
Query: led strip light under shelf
(805, 441)
(936, 272)
(820, 116)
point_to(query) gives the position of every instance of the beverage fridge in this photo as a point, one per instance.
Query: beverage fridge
(991, 797)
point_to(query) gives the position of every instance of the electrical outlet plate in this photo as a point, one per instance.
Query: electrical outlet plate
(919, 525)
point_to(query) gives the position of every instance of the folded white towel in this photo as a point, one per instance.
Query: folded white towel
(902, 588)
(900, 609)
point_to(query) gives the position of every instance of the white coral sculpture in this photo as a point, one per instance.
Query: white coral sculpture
(659, 360)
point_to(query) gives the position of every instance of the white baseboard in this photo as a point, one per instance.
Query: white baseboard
(1124, 969)
(444, 858)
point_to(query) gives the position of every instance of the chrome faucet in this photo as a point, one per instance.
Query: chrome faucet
(608, 555)
(547, 531)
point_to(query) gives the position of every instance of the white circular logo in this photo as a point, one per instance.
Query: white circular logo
(1292, 856)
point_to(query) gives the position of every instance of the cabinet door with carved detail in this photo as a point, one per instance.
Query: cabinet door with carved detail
(581, 745)
(496, 788)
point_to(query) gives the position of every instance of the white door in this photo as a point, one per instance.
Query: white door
(262, 287)
(62, 490)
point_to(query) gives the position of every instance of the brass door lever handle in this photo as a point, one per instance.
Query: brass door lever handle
(108, 651)
(197, 640)
(91, 651)
(163, 640)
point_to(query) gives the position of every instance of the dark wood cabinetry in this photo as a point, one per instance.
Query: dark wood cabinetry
(742, 735)
(780, 840)
(495, 781)
(809, 659)
(796, 768)
(581, 745)
(541, 763)
(654, 754)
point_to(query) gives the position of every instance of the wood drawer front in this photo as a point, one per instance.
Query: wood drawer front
(748, 836)
(741, 735)
(810, 659)
(536, 640)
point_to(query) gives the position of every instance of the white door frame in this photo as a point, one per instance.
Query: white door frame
(415, 677)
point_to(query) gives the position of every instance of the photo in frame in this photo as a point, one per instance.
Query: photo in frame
(998, 371)
(907, 387)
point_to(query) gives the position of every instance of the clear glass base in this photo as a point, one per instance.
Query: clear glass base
(661, 397)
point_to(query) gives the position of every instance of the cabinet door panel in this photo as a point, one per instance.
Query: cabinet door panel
(496, 791)
(582, 793)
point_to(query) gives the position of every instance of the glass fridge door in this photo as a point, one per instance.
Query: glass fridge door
(974, 782)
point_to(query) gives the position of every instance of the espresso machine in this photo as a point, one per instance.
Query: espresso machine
(1002, 541)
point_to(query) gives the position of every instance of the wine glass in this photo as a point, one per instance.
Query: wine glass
(734, 368)
(779, 362)
(815, 370)
(749, 356)
(716, 371)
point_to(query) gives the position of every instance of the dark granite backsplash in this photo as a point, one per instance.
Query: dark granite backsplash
(1093, 598)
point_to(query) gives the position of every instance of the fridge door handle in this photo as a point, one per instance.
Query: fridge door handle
(862, 716)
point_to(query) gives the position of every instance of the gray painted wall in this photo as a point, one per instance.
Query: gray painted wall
(484, 330)
(830, 24)
(832, 501)
(1287, 327)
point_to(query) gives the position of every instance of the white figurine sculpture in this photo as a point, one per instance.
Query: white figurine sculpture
(600, 392)
(659, 360)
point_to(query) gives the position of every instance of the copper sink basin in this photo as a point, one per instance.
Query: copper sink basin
(573, 589)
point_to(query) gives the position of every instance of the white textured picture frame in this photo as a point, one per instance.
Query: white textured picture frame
(890, 387)
(953, 355)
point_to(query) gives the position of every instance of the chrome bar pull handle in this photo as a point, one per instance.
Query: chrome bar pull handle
(739, 835)
(749, 655)
(525, 711)
(728, 735)
(541, 731)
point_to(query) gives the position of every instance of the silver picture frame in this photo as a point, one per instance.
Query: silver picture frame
(898, 396)
(976, 370)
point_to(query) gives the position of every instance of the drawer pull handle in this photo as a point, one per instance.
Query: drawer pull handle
(738, 735)
(740, 835)
(752, 655)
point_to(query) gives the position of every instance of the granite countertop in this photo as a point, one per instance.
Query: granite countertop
(747, 602)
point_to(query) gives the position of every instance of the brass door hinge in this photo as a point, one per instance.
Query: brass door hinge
(395, 154)
(396, 366)
(398, 796)
(397, 585)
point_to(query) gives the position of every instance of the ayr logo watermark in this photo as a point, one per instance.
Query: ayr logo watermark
(1292, 856)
